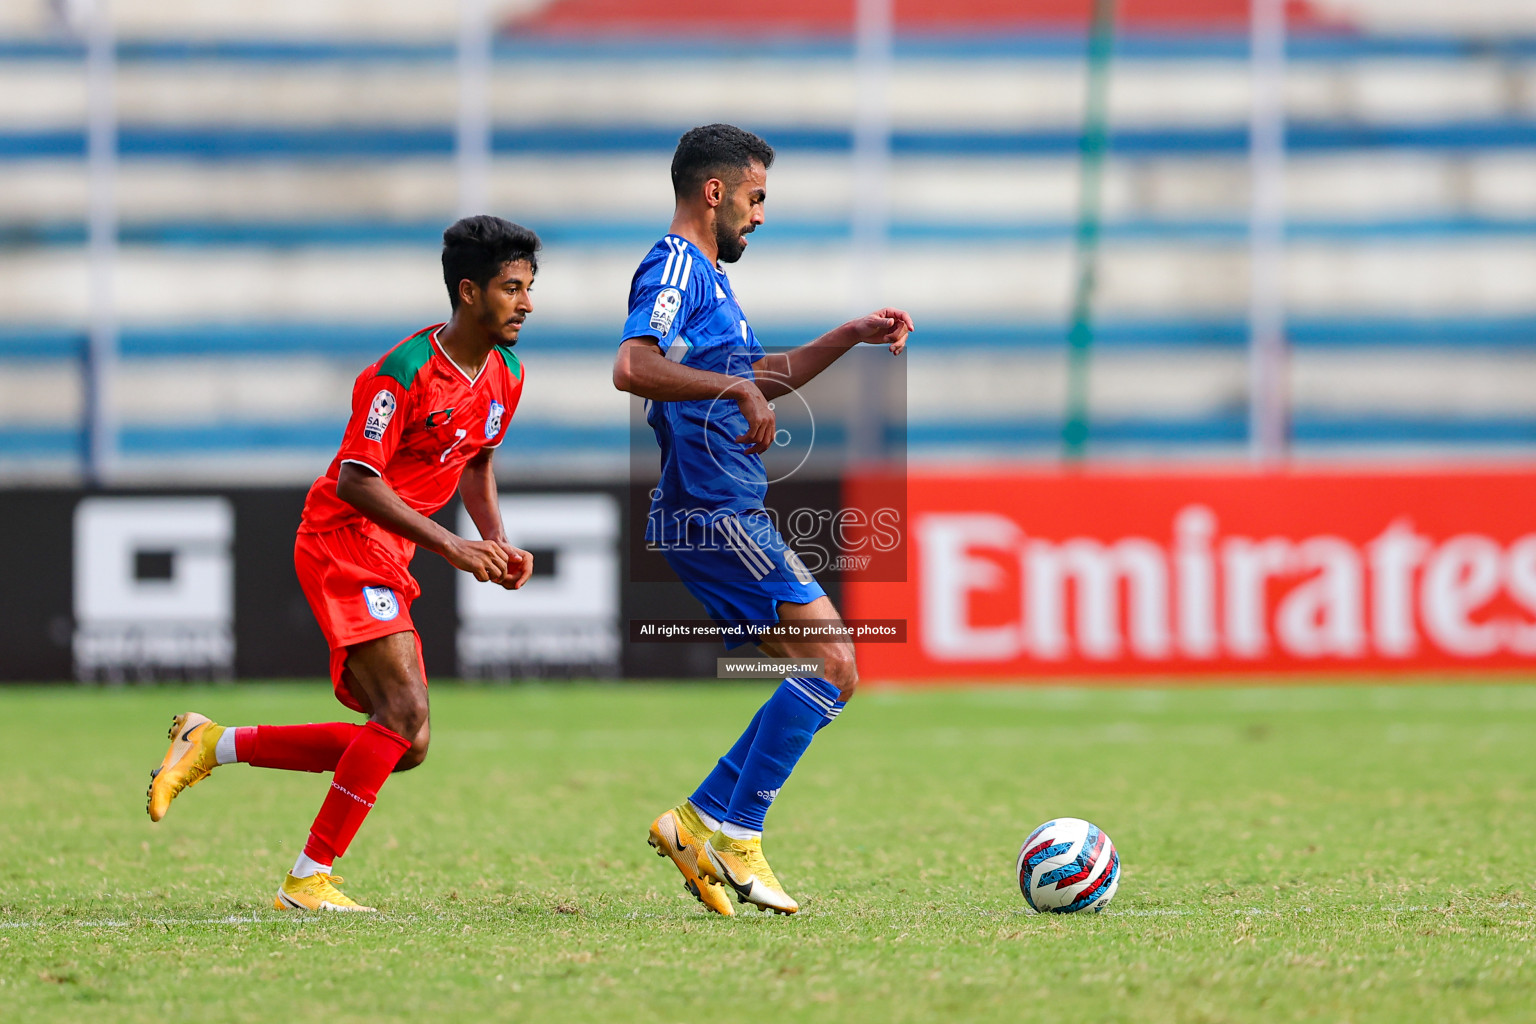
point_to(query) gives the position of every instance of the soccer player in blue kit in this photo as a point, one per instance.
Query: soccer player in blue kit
(708, 384)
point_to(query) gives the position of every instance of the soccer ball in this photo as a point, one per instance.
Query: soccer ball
(1067, 865)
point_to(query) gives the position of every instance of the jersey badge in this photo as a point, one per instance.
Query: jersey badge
(493, 419)
(665, 311)
(379, 414)
(439, 418)
(381, 603)
(719, 292)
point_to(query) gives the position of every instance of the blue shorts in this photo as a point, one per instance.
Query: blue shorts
(739, 568)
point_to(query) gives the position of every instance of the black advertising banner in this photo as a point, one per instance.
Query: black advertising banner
(175, 584)
(35, 587)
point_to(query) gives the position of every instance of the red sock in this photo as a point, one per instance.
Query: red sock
(361, 770)
(295, 748)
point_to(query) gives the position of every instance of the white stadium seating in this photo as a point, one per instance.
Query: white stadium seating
(259, 272)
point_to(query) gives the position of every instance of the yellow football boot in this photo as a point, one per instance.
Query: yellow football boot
(740, 864)
(680, 834)
(188, 761)
(317, 892)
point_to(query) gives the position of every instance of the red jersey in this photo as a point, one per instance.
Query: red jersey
(417, 418)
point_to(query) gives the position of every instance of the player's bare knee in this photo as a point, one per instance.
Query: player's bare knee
(842, 671)
(414, 756)
(405, 713)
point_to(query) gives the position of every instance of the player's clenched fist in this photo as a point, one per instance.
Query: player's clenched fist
(519, 566)
(761, 422)
(483, 559)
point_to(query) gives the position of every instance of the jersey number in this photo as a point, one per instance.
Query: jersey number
(458, 436)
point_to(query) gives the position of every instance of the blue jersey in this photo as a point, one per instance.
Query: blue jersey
(683, 302)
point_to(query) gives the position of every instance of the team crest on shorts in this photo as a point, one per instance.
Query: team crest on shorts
(493, 419)
(665, 311)
(381, 603)
(379, 414)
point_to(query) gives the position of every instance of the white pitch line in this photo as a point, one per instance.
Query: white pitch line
(113, 923)
(1171, 912)
(1269, 912)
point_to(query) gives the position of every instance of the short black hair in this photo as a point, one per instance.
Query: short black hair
(705, 152)
(476, 248)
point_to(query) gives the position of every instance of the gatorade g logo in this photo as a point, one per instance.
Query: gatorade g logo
(379, 414)
(665, 311)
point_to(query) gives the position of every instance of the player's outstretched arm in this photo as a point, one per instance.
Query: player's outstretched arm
(642, 370)
(371, 495)
(477, 489)
(783, 372)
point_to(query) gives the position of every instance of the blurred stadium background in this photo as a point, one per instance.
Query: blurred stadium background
(211, 224)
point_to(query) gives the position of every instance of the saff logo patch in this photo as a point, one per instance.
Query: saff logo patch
(665, 310)
(380, 412)
(493, 419)
(381, 603)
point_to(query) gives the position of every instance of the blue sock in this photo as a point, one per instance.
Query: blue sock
(798, 709)
(714, 794)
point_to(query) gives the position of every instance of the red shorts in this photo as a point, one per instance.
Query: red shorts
(359, 590)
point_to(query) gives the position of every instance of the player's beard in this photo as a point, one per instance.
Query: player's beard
(497, 328)
(728, 242)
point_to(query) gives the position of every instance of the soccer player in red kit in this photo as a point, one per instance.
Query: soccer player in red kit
(425, 421)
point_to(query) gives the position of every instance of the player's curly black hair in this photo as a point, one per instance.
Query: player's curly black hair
(708, 151)
(476, 248)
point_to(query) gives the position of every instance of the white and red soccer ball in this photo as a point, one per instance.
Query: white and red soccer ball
(1067, 865)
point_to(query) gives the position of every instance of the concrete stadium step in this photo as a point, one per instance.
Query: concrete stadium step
(295, 453)
(978, 387)
(355, 342)
(355, 235)
(412, 20)
(973, 92)
(782, 282)
(1344, 187)
(280, 143)
(376, 19)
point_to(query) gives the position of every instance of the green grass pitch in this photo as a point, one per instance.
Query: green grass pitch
(1352, 853)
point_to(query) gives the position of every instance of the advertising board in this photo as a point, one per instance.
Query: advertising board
(156, 584)
(1049, 574)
